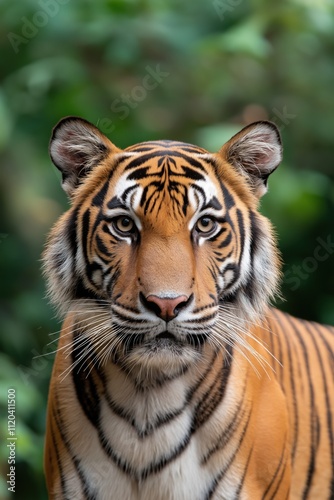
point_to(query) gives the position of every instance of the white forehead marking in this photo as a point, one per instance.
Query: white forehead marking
(196, 199)
(123, 185)
(208, 187)
(131, 202)
(136, 197)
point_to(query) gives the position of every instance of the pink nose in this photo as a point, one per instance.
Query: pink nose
(165, 308)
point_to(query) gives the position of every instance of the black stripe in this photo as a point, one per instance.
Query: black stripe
(123, 306)
(242, 481)
(273, 479)
(140, 173)
(191, 173)
(236, 275)
(274, 495)
(159, 421)
(328, 347)
(128, 191)
(98, 199)
(215, 204)
(136, 162)
(223, 472)
(152, 468)
(85, 234)
(132, 320)
(85, 387)
(242, 233)
(314, 424)
(207, 306)
(228, 197)
(102, 249)
(216, 236)
(115, 202)
(276, 335)
(81, 292)
(71, 231)
(200, 190)
(202, 319)
(256, 234)
(160, 381)
(329, 415)
(193, 149)
(229, 430)
(250, 287)
(62, 479)
(293, 386)
(214, 395)
(203, 377)
(148, 202)
(86, 490)
(226, 241)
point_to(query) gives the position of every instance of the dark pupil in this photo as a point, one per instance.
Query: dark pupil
(205, 222)
(126, 222)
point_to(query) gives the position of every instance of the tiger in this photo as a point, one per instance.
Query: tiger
(175, 378)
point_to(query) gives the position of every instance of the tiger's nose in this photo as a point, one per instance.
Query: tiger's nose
(166, 308)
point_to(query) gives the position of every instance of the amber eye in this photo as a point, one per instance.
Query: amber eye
(124, 224)
(206, 225)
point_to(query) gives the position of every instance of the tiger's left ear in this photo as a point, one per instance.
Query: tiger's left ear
(77, 146)
(256, 151)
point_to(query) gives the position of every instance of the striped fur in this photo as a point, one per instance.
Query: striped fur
(222, 396)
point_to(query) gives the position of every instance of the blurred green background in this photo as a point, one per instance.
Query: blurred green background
(214, 66)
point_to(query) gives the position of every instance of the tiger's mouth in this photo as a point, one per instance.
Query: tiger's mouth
(166, 336)
(166, 340)
(169, 341)
(166, 352)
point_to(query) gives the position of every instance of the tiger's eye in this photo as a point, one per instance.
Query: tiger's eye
(205, 224)
(124, 224)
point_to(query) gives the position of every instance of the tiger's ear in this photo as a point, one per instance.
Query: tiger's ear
(255, 152)
(76, 146)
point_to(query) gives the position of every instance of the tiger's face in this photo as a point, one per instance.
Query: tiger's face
(163, 247)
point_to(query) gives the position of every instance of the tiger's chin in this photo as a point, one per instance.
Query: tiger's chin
(163, 354)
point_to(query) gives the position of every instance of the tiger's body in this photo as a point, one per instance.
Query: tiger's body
(174, 379)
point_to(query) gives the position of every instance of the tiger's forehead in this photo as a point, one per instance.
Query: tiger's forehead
(167, 180)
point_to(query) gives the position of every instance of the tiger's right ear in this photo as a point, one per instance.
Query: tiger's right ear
(77, 146)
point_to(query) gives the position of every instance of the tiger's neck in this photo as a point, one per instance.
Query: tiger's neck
(148, 399)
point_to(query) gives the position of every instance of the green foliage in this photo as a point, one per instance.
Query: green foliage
(212, 67)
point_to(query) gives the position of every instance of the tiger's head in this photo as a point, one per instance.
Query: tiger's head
(163, 250)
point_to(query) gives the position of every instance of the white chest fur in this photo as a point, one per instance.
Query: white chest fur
(144, 447)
